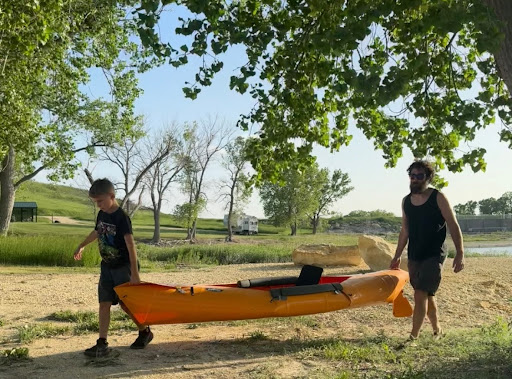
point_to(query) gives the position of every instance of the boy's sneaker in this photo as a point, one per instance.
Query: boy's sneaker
(101, 349)
(145, 337)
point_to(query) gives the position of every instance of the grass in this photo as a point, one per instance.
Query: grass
(29, 333)
(258, 335)
(46, 251)
(87, 322)
(54, 244)
(13, 355)
(480, 353)
(77, 323)
(56, 199)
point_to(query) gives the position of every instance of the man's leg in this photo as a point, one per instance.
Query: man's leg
(420, 310)
(104, 318)
(432, 314)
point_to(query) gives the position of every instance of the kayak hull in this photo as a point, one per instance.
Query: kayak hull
(151, 303)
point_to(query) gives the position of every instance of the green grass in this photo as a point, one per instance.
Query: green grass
(57, 200)
(13, 355)
(46, 251)
(88, 322)
(484, 352)
(77, 323)
(258, 335)
(54, 244)
(29, 333)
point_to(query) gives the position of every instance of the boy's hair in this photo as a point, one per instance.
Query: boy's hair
(101, 187)
(422, 165)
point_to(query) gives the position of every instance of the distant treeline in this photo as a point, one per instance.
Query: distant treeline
(489, 206)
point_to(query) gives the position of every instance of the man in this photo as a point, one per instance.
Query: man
(425, 215)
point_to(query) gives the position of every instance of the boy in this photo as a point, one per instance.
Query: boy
(118, 262)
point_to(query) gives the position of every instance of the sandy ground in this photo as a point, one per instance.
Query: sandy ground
(474, 297)
(65, 220)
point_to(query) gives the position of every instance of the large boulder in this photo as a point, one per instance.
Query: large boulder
(377, 252)
(327, 255)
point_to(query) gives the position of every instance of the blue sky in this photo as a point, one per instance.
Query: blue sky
(375, 187)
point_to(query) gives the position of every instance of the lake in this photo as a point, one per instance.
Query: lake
(490, 250)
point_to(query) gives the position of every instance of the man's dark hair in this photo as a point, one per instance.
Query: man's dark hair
(422, 165)
(101, 187)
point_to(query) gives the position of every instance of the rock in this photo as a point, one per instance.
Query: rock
(326, 255)
(377, 252)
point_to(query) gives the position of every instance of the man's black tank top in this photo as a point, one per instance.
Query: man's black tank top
(427, 229)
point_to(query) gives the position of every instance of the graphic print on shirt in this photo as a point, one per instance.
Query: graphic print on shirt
(106, 241)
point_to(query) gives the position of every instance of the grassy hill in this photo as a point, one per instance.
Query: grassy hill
(58, 200)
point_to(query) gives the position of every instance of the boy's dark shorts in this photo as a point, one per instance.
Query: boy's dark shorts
(426, 275)
(110, 278)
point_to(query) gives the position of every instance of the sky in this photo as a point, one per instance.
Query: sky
(375, 187)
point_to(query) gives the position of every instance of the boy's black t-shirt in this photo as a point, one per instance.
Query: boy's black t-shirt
(111, 229)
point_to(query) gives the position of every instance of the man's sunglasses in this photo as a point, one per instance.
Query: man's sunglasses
(417, 176)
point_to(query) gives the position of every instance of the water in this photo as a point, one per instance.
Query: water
(500, 250)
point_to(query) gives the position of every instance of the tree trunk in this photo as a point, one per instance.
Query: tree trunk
(503, 57)
(230, 213)
(193, 230)
(229, 238)
(293, 227)
(7, 191)
(316, 220)
(156, 218)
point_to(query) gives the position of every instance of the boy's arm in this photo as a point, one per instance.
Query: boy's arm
(132, 251)
(91, 237)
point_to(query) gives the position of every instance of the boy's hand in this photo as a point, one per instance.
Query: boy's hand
(78, 253)
(134, 278)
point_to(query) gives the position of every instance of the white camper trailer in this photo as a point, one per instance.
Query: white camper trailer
(242, 224)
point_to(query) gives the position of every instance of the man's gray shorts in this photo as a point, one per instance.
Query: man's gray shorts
(426, 275)
(109, 278)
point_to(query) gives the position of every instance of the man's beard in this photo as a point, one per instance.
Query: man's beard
(417, 187)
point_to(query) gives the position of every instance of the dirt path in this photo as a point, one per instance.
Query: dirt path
(65, 220)
(224, 350)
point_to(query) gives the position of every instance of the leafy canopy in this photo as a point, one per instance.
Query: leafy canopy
(47, 52)
(418, 74)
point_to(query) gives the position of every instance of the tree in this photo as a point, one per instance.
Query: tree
(202, 143)
(164, 172)
(493, 206)
(423, 74)
(45, 118)
(293, 198)
(505, 203)
(468, 208)
(236, 188)
(333, 189)
(488, 206)
(371, 214)
(134, 163)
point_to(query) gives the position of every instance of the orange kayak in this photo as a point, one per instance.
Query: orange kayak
(151, 303)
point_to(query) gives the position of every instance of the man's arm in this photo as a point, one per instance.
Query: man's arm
(132, 251)
(403, 237)
(91, 237)
(453, 226)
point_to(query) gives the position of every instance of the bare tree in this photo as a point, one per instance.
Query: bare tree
(235, 190)
(132, 161)
(164, 172)
(203, 142)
